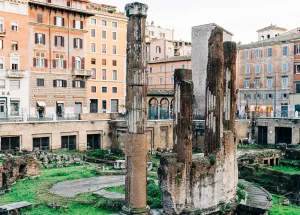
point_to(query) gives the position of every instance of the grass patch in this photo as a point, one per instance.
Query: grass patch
(286, 169)
(278, 209)
(255, 146)
(117, 189)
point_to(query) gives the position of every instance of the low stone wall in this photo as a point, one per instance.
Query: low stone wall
(242, 128)
(98, 116)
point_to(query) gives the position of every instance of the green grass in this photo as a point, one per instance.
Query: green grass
(68, 152)
(37, 191)
(278, 209)
(254, 146)
(117, 189)
(290, 170)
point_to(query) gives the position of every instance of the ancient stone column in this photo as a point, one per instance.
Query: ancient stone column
(136, 106)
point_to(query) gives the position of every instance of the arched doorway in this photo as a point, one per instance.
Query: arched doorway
(164, 109)
(153, 109)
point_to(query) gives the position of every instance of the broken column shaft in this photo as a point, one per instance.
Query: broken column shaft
(136, 107)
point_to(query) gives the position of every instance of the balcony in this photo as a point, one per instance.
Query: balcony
(2, 33)
(16, 73)
(82, 73)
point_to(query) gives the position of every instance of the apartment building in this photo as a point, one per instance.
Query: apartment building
(106, 58)
(57, 58)
(161, 71)
(156, 32)
(266, 72)
(14, 75)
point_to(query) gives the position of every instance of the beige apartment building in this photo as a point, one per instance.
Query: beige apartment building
(156, 32)
(106, 58)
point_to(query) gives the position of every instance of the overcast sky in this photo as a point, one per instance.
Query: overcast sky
(241, 17)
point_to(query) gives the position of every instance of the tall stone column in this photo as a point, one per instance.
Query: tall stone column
(136, 106)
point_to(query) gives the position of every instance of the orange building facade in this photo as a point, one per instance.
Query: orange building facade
(14, 74)
(57, 58)
(106, 58)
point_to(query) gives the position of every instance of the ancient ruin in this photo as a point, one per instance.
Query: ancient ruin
(208, 182)
(136, 106)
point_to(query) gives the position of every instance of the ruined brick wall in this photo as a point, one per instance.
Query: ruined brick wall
(242, 129)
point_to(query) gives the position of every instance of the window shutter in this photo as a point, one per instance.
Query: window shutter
(55, 20)
(82, 63)
(255, 55)
(36, 38)
(54, 83)
(63, 21)
(82, 84)
(54, 63)
(64, 83)
(46, 63)
(81, 43)
(250, 54)
(81, 24)
(34, 62)
(295, 69)
(44, 39)
(73, 84)
(74, 43)
(295, 49)
(73, 62)
(65, 64)
(74, 23)
(68, 3)
(55, 40)
(62, 41)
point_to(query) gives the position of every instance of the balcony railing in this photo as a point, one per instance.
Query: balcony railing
(11, 73)
(2, 33)
(82, 72)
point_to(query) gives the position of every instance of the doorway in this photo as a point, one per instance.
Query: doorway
(2, 109)
(59, 109)
(262, 135)
(93, 141)
(78, 109)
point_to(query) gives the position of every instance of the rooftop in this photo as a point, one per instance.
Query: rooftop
(171, 59)
(272, 27)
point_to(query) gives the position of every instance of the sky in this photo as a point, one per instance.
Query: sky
(241, 17)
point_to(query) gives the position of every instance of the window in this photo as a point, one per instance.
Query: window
(68, 142)
(77, 43)
(247, 83)
(40, 38)
(59, 41)
(158, 49)
(14, 25)
(104, 35)
(284, 81)
(150, 70)
(160, 69)
(2, 84)
(297, 49)
(269, 82)
(114, 24)
(14, 64)
(257, 69)
(258, 53)
(104, 89)
(256, 83)
(103, 74)
(257, 96)
(114, 48)
(93, 21)
(77, 63)
(115, 75)
(172, 80)
(247, 54)
(14, 46)
(39, 60)
(270, 68)
(10, 143)
(40, 18)
(93, 73)
(93, 47)
(103, 62)
(93, 105)
(114, 63)
(41, 142)
(93, 89)
(182, 66)
(160, 80)
(14, 85)
(93, 61)
(150, 82)
(1, 25)
(297, 68)
(247, 69)
(59, 61)
(114, 90)
(103, 104)
(93, 32)
(269, 96)
(59, 83)
(59, 21)
(77, 24)
(78, 84)
(172, 68)
(114, 35)
(297, 85)
(114, 105)
(14, 108)
(284, 96)
(104, 23)
(1, 63)
(270, 52)
(1, 44)
(103, 48)
(284, 50)
(284, 67)
(40, 82)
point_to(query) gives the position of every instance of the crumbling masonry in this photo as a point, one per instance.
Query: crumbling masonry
(208, 182)
(136, 106)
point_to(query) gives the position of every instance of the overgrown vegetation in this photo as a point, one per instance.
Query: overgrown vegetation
(116, 189)
(286, 169)
(212, 159)
(255, 146)
(241, 192)
(278, 209)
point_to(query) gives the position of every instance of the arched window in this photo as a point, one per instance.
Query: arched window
(164, 109)
(268, 36)
(172, 109)
(153, 109)
(77, 63)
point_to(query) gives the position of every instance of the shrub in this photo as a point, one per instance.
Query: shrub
(212, 159)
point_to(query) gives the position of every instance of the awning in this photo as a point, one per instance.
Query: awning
(60, 102)
(41, 103)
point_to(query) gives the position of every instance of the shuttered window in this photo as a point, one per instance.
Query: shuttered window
(14, 85)
(114, 105)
